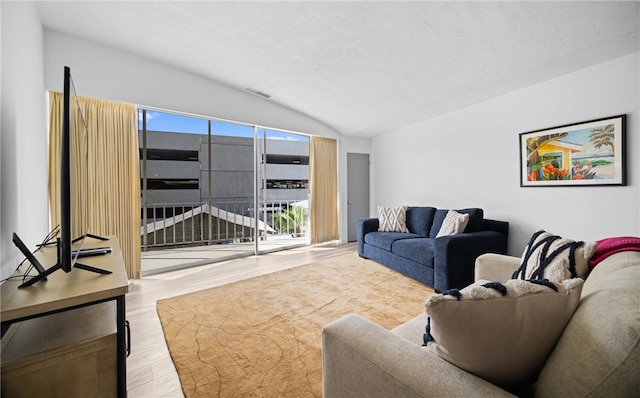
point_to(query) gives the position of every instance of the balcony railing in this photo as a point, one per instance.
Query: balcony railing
(195, 224)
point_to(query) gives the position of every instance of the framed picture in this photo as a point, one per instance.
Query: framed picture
(587, 153)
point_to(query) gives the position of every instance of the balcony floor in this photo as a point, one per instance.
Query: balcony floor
(154, 261)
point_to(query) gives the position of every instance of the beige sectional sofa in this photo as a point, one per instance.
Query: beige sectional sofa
(597, 354)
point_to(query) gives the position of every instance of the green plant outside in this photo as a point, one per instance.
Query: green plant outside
(290, 221)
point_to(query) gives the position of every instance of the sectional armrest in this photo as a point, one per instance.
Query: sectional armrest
(362, 359)
(455, 256)
(496, 267)
(365, 226)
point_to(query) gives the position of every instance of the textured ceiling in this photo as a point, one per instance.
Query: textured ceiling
(363, 68)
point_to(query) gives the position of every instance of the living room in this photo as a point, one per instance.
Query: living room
(466, 156)
(34, 58)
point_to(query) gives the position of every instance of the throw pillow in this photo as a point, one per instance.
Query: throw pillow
(392, 219)
(548, 256)
(502, 333)
(454, 223)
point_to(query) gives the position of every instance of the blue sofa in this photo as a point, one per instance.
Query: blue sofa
(443, 263)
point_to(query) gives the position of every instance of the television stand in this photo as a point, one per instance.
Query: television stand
(49, 271)
(27, 254)
(79, 238)
(60, 294)
(58, 266)
(87, 235)
(92, 269)
(62, 355)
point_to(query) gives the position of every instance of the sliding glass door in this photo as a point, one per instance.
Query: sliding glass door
(283, 189)
(228, 179)
(213, 190)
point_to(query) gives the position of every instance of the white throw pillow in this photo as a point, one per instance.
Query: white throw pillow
(453, 223)
(392, 219)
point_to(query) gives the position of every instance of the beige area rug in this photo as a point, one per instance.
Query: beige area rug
(262, 336)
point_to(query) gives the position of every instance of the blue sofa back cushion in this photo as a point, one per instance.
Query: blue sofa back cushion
(419, 220)
(476, 216)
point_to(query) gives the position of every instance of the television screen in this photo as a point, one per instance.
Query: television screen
(74, 188)
(74, 183)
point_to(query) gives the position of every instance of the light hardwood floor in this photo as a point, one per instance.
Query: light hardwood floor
(150, 370)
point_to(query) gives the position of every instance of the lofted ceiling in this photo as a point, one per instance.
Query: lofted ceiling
(363, 68)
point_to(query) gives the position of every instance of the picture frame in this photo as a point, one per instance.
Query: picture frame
(580, 154)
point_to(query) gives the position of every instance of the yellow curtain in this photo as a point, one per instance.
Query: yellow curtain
(110, 152)
(323, 184)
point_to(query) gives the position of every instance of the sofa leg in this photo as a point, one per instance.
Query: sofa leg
(366, 258)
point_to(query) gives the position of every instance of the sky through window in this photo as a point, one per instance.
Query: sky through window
(175, 123)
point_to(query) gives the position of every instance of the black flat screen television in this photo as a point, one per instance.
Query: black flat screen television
(68, 138)
(73, 187)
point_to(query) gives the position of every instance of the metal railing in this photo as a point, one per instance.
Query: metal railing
(222, 222)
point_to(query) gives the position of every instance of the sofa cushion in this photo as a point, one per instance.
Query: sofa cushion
(419, 220)
(598, 354)
(453, 223)
(482, 326)
(392, 219)
(548, 256)
(384, 240)
(412, 330)
(419, 250)
(476, 216)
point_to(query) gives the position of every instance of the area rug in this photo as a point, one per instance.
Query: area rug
(262, 336)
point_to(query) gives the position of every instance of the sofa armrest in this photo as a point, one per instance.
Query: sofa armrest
(365, 226)
(455, 256)
(496, 267)
(496, 225)
(362, 359)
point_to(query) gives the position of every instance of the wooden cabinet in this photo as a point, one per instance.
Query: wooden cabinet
(69, 354)
(66, 336)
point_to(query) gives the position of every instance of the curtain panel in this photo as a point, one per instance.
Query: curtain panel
(323, 186)
(111, 168)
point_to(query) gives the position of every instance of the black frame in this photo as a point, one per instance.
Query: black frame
(604, 167)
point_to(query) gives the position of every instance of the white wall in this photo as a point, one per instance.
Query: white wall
(104, 72)
(24, 196)
(470, 158)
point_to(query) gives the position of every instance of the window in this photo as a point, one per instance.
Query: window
(553, 158)
(172, 183)
(287, 159)
(168, 154)
(210, 181)
(290, 184)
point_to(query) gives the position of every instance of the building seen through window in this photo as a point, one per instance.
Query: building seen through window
(192, 166)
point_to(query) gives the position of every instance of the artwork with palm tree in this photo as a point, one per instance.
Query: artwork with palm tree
(586, 153)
